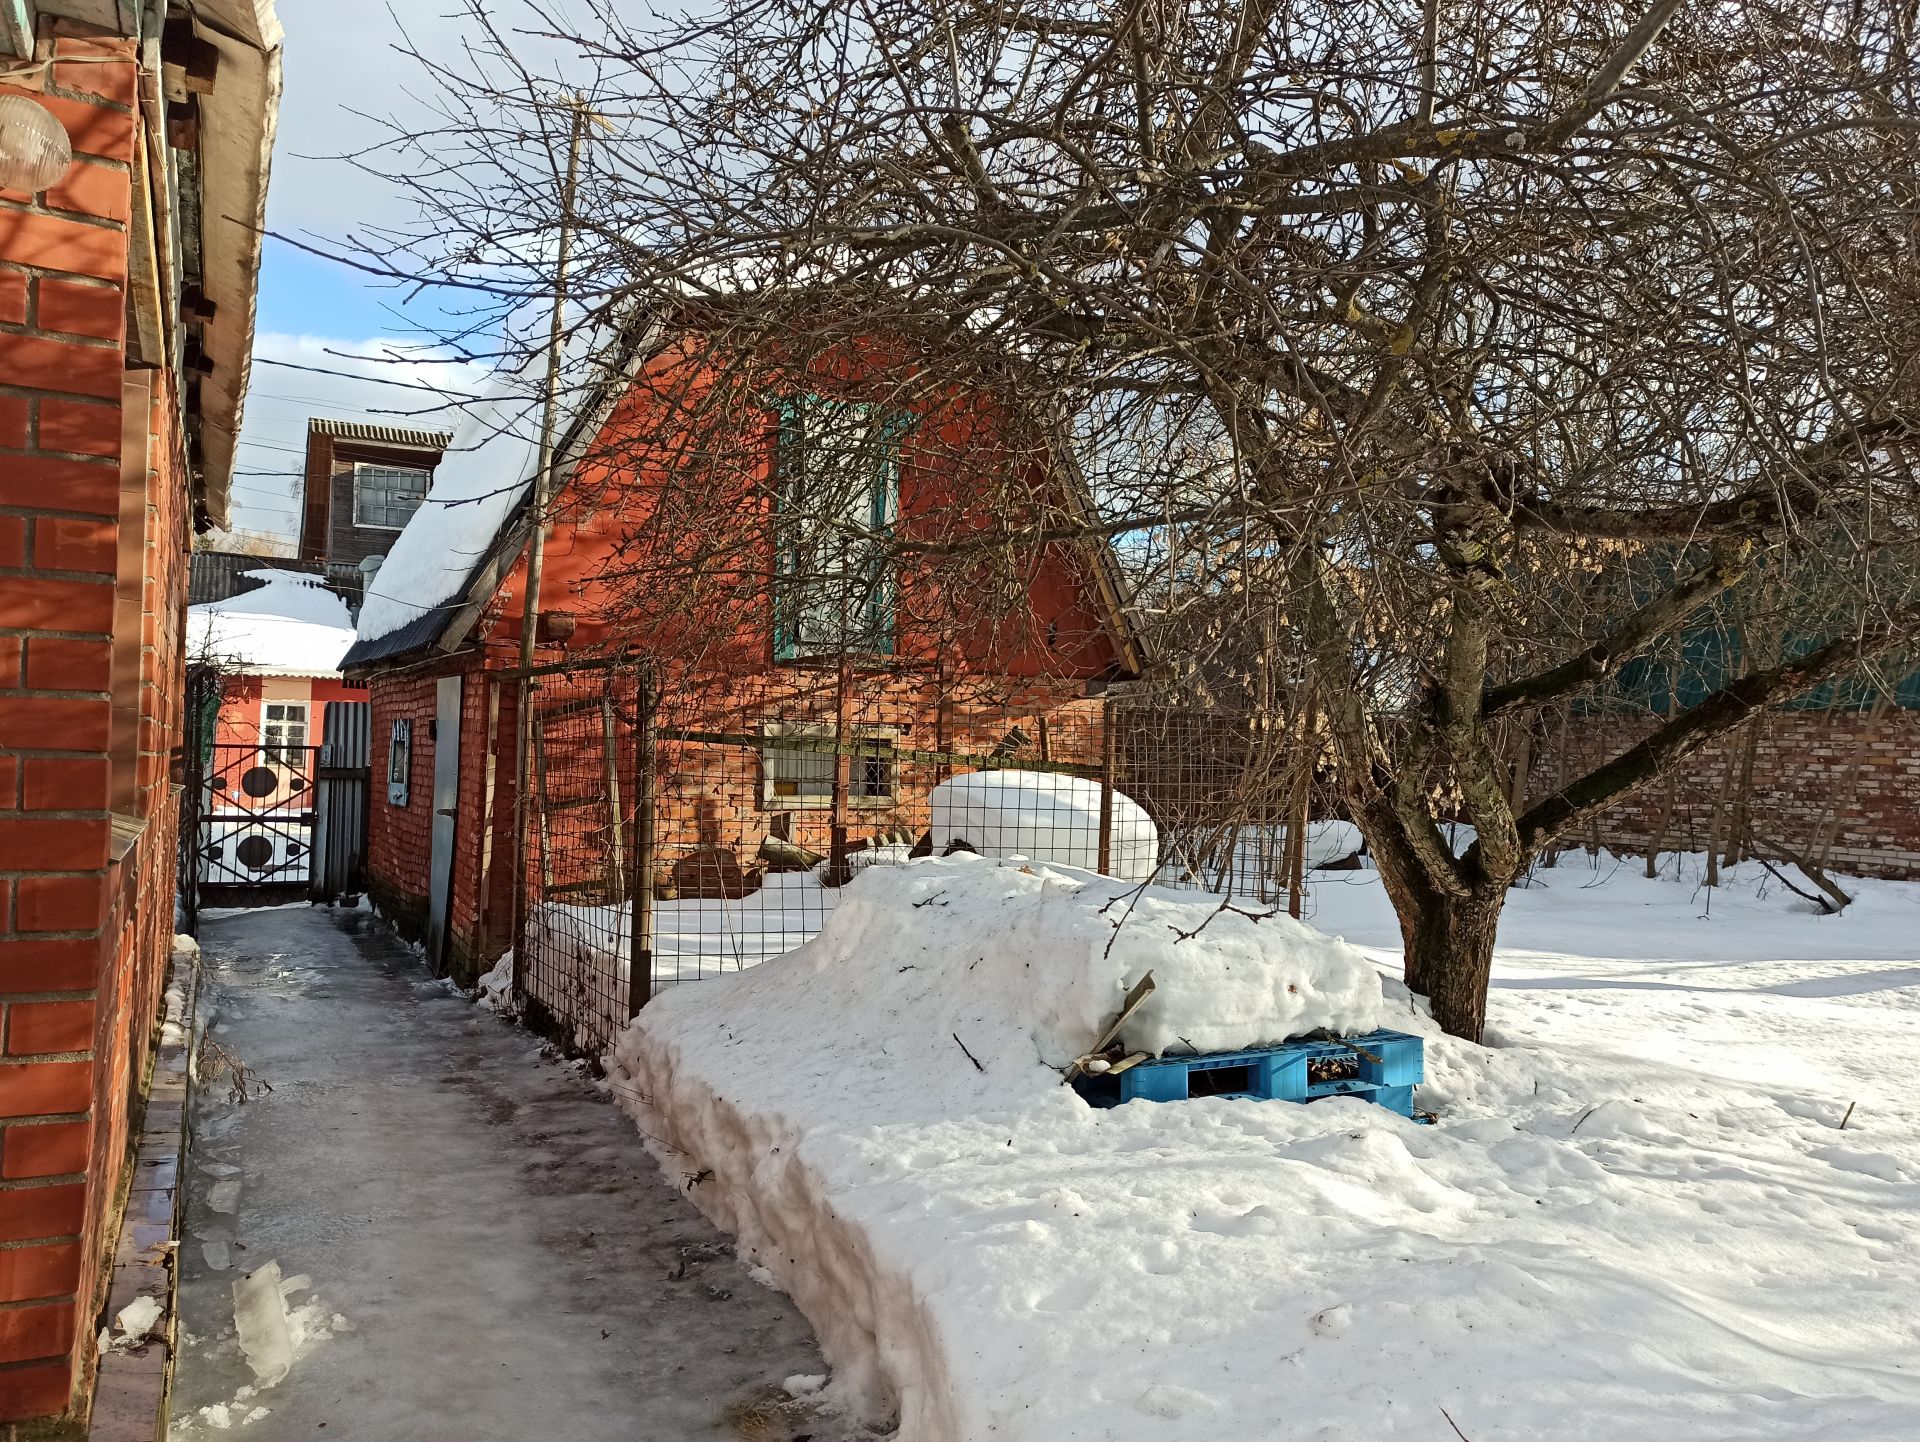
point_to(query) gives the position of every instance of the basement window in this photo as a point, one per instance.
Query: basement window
(799, 773)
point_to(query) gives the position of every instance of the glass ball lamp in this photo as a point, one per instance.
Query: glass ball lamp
(34, 149)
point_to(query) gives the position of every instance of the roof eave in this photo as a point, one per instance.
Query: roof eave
(446, 628)
(237, 132)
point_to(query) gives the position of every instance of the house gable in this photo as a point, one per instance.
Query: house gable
(625, 520)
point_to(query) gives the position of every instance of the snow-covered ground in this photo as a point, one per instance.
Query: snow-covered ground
(581, 952)
(1673, 1198)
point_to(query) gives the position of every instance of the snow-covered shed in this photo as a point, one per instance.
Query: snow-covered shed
(277, 641)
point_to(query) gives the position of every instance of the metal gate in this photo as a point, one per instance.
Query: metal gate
(257, 818)
(261, 821)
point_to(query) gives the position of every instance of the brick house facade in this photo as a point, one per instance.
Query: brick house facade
(118, 408)
(961, 687)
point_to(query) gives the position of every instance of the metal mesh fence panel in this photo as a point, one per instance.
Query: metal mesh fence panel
(574, 962)
(775, 798)
(678, 830)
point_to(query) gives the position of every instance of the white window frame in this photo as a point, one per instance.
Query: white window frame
(774, 731)
(360, 469)
(274, 753)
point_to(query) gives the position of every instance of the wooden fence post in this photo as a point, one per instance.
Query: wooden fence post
(1301, 809)
(1109, 755)
(610, 760)
(640, 923)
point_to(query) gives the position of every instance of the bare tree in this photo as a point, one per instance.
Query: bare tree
(1419, 325)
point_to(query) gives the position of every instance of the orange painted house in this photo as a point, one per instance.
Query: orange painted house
(274, 642)
(745, 564)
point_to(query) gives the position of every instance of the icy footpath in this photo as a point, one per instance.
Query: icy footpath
(1592, 1242)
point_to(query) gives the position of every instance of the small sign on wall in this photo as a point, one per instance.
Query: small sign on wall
(400, 764)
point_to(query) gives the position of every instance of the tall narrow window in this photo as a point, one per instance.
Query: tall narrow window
(838, 487)
(385, 497)
(283, 732)
(400, 764)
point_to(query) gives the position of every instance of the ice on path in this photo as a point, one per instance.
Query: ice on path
(260, 1317)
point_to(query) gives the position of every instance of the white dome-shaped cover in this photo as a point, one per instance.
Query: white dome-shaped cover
(34, 149)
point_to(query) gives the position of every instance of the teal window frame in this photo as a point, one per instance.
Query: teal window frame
(801, 589)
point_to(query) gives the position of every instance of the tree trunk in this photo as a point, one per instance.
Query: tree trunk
(1741, 821)
(1449, 944)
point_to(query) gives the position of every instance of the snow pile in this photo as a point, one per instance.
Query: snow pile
(1021, 944)
(495, 991)
(291, 625)
(1648, 1213)
(944, 989)
(1042, 817)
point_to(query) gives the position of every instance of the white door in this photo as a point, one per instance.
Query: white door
(446, 798)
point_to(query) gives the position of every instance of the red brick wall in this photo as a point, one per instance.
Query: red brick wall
(1866, 771)
(92, 591)
(400, 837)
(241, 698)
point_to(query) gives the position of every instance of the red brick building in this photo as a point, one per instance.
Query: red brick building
(1838, 784)
(442, 622)
(126, 318)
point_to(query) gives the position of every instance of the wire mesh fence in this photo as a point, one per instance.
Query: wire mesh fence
(677, 830)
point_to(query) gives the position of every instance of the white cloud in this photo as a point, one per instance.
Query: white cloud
(344, 75)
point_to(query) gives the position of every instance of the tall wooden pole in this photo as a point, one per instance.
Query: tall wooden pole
(1301, 810)
(537, 540)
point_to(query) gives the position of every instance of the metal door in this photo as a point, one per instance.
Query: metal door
(446, 797)
(340, 815)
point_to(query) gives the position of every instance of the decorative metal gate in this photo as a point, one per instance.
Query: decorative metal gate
(256, 819)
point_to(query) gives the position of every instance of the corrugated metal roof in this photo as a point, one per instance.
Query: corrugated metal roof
(216, 575)
(380, 435)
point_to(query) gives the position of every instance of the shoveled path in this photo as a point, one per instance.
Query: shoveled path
(492, 1253)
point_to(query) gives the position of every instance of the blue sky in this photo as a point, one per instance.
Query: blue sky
(302, 294)
(312, 311)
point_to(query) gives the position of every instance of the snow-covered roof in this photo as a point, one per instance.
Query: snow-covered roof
(292, 625)
(480, 485)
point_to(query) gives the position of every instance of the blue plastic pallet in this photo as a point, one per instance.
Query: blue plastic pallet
(1389, 1063)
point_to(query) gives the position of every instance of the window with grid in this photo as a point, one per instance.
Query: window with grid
(283, 732)
(386, 496)
(837, 495)
(800, 772)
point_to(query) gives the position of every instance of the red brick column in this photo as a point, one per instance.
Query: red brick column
(63, 272)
